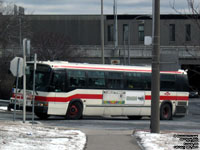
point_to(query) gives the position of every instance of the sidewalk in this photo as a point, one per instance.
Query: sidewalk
(140, 140)
(111, 140)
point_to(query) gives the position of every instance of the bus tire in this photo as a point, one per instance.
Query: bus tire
(166, 112)
(74, 111)
(42, 116)
(134, 117)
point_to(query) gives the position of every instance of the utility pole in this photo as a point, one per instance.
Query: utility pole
(102, 34)
(155, 81)
(24, 79)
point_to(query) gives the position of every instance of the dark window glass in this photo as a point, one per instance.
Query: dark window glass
(168, 82)
(138, 81)
(172, 32)
(110, 32)
(141, 32)
(76, 78)
(115, 80)
(125, 32)
(147, 81)
(134, 80)
(42, 78)
(188, 32)
(96, 79)
(58, 81)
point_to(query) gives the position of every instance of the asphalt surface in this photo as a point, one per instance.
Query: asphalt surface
(117, 133)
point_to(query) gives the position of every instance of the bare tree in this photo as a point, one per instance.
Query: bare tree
(193, 14)
(13, 26)
(52, 46)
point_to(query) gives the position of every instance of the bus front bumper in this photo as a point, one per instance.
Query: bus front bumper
(38, 109)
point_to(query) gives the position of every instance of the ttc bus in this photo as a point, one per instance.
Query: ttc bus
(74, 90)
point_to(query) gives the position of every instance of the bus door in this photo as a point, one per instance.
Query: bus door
(113, 102)
(58, 104)
(134, 102)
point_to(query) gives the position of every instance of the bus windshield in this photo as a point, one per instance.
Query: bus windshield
(42, 78)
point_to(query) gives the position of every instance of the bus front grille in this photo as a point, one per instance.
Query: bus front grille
(181, 110)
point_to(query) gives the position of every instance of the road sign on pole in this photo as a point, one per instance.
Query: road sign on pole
(14, 65)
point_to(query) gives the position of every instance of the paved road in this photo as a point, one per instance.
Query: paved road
(115, 133)
(189, 123)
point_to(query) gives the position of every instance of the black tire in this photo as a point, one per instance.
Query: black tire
(9, 107)
(74, 111)
(165, 112)
(42, 116)
(134, 117)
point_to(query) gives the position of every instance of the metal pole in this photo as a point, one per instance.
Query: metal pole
(24, 80)
(102, 34)
(124, 50)
(155, 81)
(20, 32)
(16, 90)
(33, 98)
(129, 40)
(116, 26)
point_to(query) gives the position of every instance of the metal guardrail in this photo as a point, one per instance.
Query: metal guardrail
(4, 102)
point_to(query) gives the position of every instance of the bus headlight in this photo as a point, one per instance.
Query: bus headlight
(42, 104)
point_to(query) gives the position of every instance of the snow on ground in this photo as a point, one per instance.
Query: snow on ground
(3, 108)
(168, 141)
(20, 136)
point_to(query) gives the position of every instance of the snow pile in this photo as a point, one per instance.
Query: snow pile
(21, 136)
(168, 141)
(3, 108)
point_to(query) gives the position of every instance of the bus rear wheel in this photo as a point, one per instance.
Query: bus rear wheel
(74, 111)
(166, 112)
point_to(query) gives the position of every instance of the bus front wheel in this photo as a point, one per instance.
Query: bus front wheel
(165, 112)
(74, 111)
(42, 116)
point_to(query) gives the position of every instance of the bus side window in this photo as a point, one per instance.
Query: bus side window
(135, 80)
(96, 79)
(76, 78)
(58, 81)
(115, 80)
(168, 82)
(147, 81)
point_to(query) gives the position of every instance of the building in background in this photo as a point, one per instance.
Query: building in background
(180, 38)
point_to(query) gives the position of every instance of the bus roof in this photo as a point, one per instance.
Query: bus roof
(103, 67)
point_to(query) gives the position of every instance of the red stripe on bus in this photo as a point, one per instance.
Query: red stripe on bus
(98, 96)
(178, 98)
(67, 99)
(115, 69)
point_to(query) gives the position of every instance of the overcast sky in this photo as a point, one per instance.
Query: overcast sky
(93, 6)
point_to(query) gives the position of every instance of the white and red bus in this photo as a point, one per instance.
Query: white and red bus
(74, 90)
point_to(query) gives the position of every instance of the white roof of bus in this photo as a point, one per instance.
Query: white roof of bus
(104, 67)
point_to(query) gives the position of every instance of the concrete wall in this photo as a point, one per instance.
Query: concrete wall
(85, 29)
